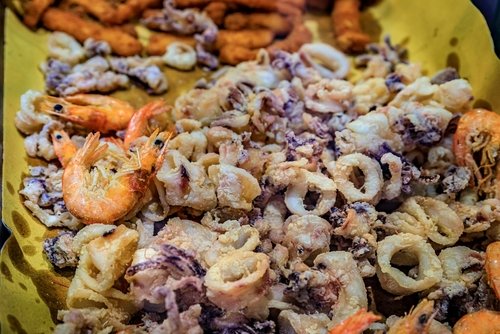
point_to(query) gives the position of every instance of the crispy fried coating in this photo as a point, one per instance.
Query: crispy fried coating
(235, 54)
(190, 3)
(121, 43)
(216, 11)
(319, 4)
(251, 39)
(347, 27)
(289, 7)
(113, 13)
(33, 10)
(298, 36)
(275, 22)
(158, 42)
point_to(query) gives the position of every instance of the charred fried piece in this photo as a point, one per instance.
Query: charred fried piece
(347, 27)
(251, 39)
(275, 22)
(298, 36)
(121, 43)
(216, 11)
(235, 54)
(158, 42)
(112, 13)
(33, 10)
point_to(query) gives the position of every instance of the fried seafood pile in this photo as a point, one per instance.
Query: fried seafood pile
(279, 198)
(231, 31)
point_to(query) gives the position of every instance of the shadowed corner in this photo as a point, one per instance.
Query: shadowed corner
(491, 12)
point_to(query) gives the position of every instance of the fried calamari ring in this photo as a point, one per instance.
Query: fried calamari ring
(440, 223)
(394, 280)
(251, 39)
(275, 22)
(327, 60)
(306, 181)
(392, 188)
(307, 236)
(455, 262)
(65, 48)
(342, 169)
(238, 280)
(122, 43)
(347, 27)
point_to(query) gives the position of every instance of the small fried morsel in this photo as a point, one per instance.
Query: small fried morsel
(275, 22)
(347, 27)
(112, 13)
(319, 4)
(159, 42)
(121, 43)
(190, 3)
(292, 8)
(33, 10)
(298, 36)
(216, 11)
(235, 54)
(251, 39)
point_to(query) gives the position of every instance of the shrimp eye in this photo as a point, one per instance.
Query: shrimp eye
(59, 136)
(58, 107)
(159, 143)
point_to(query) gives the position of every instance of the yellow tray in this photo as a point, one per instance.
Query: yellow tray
(436, 33)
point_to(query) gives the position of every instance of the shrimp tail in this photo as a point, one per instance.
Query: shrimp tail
(356, 323)
(91, 151)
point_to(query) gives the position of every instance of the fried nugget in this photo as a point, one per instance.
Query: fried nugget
(235, 54)
(112, 13)
(275, 22)
(251, 39)
(216, 11)
(298, 36)
(347, 26)
(158, 42)
(121, 43)
(291, 8)
(33, 10)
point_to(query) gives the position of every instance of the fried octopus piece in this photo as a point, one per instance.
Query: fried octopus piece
(251, 39)
(298, 36)
(347, 27)
(158, 42)
(275, 22)
(33, 10)
(121, 43)
(115, 13)
(235, 54)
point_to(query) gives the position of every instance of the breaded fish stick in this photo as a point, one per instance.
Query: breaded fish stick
(347, 27)
(272, 21)
(235, 54)
(300, 35)
(108, 12)
(121, 43)
(158, 42)
(216, 11)
(251, 39)
(33, 10)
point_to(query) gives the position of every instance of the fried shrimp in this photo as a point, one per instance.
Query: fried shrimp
(347, 27)
(121, 42)
(94, 112)
(64, 147)
(97, 195)
(248, 38)
(235, 54)
(159, 42)
(492, 266)
(275, 22)
(418, 321)
(476, 145)
(481, 322)
(356, 323)
(138, 124)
